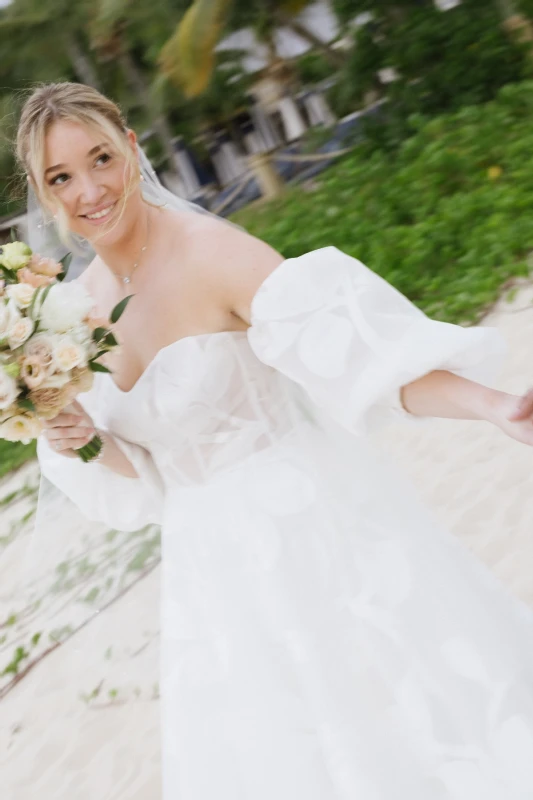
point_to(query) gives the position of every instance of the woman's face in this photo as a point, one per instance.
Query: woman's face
(87, 177)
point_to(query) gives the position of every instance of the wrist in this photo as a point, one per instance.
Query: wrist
(491, 405)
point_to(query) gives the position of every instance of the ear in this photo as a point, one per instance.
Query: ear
(132, 139)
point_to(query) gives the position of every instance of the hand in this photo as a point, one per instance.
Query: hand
(514, 416)
(71, 429)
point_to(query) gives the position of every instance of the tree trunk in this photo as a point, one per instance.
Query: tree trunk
(81, 64)
(158, 120)
(267, 176)
(335, 58)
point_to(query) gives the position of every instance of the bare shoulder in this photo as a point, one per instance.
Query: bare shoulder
(234, 262)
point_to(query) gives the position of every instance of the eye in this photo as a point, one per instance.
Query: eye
(55, 180)
(105, 156)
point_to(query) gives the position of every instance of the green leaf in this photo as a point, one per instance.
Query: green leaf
(98, 334)
(45, 293)
(33, 302)
(65, 262)
(110, 340)
(94, 366)
(26, 404)
(119, 309)
(9, 274)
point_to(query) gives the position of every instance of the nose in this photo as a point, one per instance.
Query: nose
(90, 191)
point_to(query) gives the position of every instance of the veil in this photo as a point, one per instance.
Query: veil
(79, 617)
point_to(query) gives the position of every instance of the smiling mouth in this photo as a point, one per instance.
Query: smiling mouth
(105, 212)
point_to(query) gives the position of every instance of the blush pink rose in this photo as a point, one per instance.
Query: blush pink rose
(25, 275)
(45, 266)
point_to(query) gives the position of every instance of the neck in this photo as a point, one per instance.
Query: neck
(121, 256)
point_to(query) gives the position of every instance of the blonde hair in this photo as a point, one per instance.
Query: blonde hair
(72, 102)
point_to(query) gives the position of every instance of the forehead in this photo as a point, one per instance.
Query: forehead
(66, 141)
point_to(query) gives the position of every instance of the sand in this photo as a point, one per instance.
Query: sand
(65, 734)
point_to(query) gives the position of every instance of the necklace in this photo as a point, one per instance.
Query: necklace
(127, 278)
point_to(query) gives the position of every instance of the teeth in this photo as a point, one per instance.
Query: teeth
(99, 214)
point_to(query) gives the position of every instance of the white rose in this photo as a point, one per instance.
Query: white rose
(9, 314)
(19, 332)
(68, 354)
(8, 390)
(21, 294)
(65, 306)
(83, 335)
(21, 428)
(15, 255)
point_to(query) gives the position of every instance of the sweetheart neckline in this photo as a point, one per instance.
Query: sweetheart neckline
(164, 349)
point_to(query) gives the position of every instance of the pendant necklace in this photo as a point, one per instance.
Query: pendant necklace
(126, 279)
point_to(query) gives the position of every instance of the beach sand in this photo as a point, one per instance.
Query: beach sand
(65, 733)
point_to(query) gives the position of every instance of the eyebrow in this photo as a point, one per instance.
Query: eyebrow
(90, 153)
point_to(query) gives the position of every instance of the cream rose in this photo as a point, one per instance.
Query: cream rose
(8, 390)
(56, 381)
(9, 412)
(65, 306)
(68, 354)
(19, 332)
(32, 371)
(21, 294)
(21, 428)
(15, 255)
(41, 346)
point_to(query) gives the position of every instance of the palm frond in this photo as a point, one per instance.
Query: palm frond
(188, 57)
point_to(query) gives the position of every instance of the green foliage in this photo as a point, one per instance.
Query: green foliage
(445, 60)
(312, 68)
(14, 454)
(447, 219)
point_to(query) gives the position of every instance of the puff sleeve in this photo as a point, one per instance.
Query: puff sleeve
(351, 340)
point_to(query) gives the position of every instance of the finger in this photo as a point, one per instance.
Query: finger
(64, 421)
(54, 434)
(67, 445)
(523, 408)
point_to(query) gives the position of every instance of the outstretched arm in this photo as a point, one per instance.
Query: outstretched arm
(443, 394)
(438, 393)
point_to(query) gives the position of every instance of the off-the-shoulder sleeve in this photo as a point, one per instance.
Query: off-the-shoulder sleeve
(102, 495)
(352, 341)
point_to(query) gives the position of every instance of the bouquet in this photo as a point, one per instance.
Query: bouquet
(50, 343)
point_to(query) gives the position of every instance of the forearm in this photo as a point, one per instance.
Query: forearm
(444, 394)
(114, 459)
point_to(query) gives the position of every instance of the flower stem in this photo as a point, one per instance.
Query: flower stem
(91, 449)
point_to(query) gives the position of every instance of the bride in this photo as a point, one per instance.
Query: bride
(321, 636)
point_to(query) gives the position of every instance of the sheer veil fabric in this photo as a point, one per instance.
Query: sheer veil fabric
(310, 628)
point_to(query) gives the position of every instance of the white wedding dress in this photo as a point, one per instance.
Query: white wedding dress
(321, 637)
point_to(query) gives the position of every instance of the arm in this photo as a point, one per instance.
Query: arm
(69, 431)
(444, 394)
(438, 393)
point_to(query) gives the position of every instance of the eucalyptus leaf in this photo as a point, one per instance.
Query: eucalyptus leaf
(26, 404)
(98, 334)
(94, 366)
(119, 309)
(65, 262)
